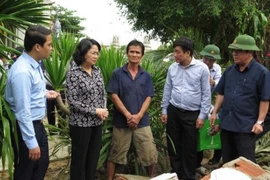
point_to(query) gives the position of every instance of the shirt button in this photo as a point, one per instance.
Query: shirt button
(234, 92)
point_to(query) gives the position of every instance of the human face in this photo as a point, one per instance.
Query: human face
(241, 56)
(209, 62)
(92, 55)
(134, 54)
(181, 56)
(47, 48)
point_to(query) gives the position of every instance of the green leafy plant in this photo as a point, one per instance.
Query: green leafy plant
(262, 151)
(56, 66)
(7, 128)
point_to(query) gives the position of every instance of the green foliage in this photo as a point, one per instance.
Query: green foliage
(56, 66)
(69, 22)
(63, 140)
(110, 59)
(7, 128)
(19, 14)
(219, 21)
(262, 151)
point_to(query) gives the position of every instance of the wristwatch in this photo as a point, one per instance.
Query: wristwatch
(260, 123)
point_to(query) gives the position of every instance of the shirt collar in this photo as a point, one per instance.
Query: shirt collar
(192, 62)
(141, 70)
(248, 66)
(213, 68)
(74, 66)
(30, 60)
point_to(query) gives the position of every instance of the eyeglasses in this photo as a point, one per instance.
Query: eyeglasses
(94, 53)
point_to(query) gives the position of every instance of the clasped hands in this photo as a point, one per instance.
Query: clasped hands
(133, 120)
(102, 113)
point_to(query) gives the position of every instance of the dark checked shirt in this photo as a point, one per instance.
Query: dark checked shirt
(85, 93)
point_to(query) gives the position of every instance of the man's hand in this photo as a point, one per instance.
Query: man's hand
(134, 121)
(257, 128)
(213, 119)
(164, 118)
(102, 113)
(34, 154)
(212, 82)
(215, 130)
(50, 94)
(199, 123)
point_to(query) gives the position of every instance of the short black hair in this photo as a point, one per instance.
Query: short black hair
(185, 43)
(135, 42)
(82, 48)
(35, 34)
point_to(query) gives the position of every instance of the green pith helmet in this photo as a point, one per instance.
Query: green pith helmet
(211, 51)
(244, 42)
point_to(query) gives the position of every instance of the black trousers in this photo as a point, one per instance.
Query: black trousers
(236, 144)
(85, 149)
(182, 141)
(26, 169)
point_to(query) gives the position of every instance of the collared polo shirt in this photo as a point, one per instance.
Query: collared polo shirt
(132, 93)
(243, 92)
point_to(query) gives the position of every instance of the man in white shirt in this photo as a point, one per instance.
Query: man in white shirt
(210, 54)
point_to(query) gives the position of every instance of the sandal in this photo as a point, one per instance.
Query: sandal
(202, 170)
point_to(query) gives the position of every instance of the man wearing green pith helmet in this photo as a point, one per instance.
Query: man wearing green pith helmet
(210, 54)
(243, 93)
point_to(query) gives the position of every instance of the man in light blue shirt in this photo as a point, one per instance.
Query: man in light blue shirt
(186, 103)
(26, 94)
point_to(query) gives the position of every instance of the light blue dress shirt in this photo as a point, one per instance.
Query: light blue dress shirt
(25, 92)
(188, 88)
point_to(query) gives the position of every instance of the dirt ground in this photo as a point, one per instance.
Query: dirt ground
(58, 170)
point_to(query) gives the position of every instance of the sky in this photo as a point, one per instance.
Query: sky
(103, 21)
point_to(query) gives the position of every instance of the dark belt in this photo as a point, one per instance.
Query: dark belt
(183, 110)
(37, 122)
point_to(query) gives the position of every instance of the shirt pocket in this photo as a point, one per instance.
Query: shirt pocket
(248, 86)
(193, 83)
(141, 89)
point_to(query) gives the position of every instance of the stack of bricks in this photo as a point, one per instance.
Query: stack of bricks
(254, 171)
